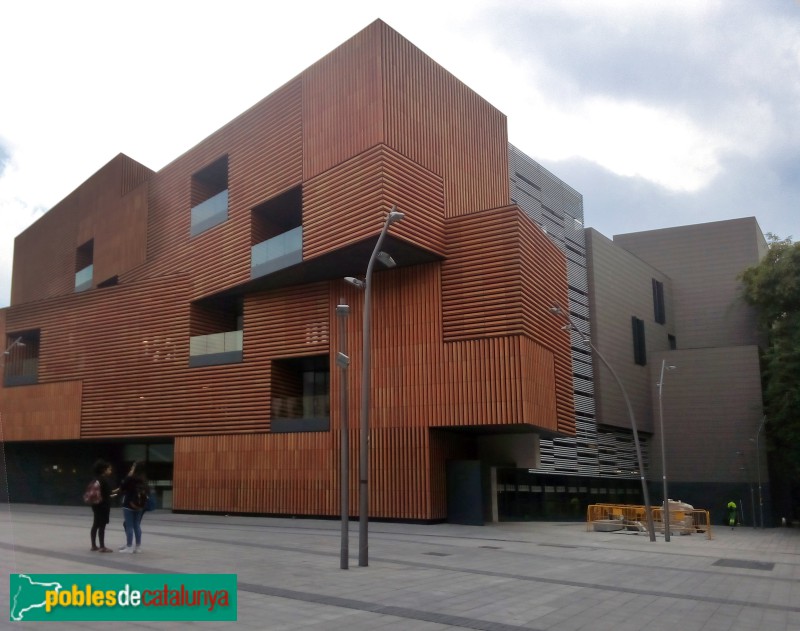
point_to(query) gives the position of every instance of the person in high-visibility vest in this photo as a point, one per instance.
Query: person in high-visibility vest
(732, 514)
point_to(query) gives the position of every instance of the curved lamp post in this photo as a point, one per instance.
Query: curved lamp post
(343, 362)
(366, 284)
(663, 451)
(569, 325)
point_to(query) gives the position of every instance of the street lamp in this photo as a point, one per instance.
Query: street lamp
(758, 472)
(343, 361)
(363, 497)
(569, 325)
(663, 451)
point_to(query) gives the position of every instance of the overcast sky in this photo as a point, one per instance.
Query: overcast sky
(660, 113)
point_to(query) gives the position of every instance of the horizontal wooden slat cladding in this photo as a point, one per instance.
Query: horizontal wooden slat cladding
(501, 276)
(129, 345)
(440, 123)
(292, 322)
(264, 149)
(41, 412)
(343, 103)
(364, 188)
(95, 210)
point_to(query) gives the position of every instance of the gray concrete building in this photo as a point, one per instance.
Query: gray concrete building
(672, 297)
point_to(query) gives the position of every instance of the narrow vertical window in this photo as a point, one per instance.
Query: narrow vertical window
(639, 352)
(659, 310)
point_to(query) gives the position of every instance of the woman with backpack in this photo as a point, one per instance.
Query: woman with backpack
(135, 493)
(102, 509)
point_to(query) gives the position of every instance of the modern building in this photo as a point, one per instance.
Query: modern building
(671, 299)
(187, 317)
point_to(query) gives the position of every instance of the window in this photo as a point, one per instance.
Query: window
(301, 394)
(276, 233)
(209, 196)
(639, 352)
(21, 359)
(84, 266)
(673, 343)
(217, 335)
(659, 310)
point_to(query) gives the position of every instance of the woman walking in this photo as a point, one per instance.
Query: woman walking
(102, 510)
(134, 489)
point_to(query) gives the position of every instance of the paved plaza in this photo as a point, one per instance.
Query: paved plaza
(502, 577)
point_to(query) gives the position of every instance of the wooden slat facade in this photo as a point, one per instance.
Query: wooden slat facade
(461, 338)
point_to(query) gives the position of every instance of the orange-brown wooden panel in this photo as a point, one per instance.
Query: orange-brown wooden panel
(440, 123)
(343, 103)
(41, 412)
(94, 210)
(264, 151)
(358, 194)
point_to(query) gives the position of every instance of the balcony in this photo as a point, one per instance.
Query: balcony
(23, 372)
(209, 213)
(276, 253)
(301, 414)
(83, 278)
(216, 349)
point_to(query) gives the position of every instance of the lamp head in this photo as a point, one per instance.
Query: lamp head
(386, 259)
(355, 282)
(394, 216)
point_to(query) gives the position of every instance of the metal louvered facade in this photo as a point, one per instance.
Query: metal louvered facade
(558, 211)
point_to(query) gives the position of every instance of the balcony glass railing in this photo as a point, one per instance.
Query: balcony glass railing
(215, 349)
(209, 213)
(307, 407)
(83, 278)
(278, 252)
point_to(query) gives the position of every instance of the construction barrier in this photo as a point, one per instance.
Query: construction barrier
(683, 519)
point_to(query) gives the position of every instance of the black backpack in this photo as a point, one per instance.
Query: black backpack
(139, 497)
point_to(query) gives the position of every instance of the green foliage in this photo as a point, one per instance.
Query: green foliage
(773, 287)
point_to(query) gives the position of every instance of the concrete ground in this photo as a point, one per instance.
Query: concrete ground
(502, 577)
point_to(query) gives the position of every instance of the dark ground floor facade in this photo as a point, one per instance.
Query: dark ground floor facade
(57, 472)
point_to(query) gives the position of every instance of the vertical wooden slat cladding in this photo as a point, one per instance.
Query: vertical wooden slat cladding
(500, 278)
(378, 88)
(291, 474)
(41, 412)
(133, 175)
(343, 103)
(264, 149)
(440, 123)
(364, 188)
(120, 237)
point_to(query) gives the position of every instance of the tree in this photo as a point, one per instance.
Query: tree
(773, 288)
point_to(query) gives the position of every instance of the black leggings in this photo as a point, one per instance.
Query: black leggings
(101, 515)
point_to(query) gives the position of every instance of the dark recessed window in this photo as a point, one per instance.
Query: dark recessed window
(673, 343)
(659, 310)
(639, 351)
(209, 196)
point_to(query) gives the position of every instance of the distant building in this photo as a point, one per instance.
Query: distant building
(673, 296)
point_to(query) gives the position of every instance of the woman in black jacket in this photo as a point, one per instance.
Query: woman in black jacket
(102, 510)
